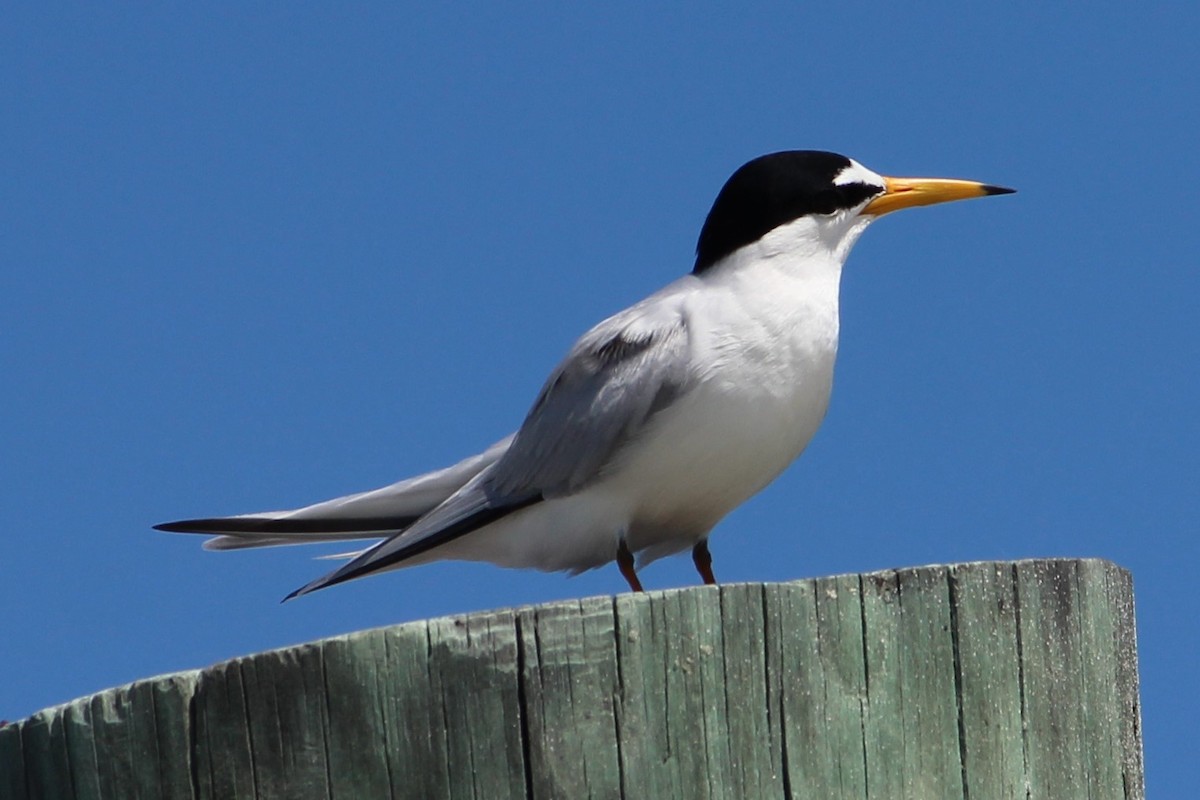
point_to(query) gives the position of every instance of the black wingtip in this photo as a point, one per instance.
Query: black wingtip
(370, 561)
(313, 585)
(292, 595)
(214, 525)
(989, 189)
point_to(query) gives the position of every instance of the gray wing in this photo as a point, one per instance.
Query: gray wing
(614, 380)
(366, 515)
(600, 397)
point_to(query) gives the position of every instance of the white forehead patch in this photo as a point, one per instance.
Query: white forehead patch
(857, 173)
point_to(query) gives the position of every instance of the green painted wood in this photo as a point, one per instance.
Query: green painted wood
(571, 691)
(754, 770)
(983, 597)
(1073, 700)
(12, 763)
(910, 728)
(973, 681)
(474, 663)
(172, 695)
(413, 720)
(284, 700)
(44, 747)
(817, 678)
(1120, 604)
(357, 718)
(86, 773)
(225, 762)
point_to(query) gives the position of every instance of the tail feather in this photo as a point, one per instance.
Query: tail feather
(234, 542)
(291, 527)
(375, 514)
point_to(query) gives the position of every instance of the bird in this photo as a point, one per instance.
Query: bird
(661, 419)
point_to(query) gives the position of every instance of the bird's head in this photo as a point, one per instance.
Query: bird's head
(829, 198)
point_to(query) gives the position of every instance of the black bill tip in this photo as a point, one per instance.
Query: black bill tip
(989, 189)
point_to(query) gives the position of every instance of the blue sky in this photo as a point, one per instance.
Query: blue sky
(255, 258)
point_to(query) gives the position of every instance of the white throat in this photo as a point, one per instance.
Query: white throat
(807, 249)
(771, 308)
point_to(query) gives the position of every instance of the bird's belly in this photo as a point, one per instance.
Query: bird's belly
(714, 450)
(697, 461)
(694, 462)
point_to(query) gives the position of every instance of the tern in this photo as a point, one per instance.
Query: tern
(661, 419)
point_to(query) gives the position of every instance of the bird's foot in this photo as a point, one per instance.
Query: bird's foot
(625, 564)
(703, 561)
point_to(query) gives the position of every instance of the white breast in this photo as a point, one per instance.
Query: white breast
(764, 342)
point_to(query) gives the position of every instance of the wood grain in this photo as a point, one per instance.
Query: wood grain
(973, 681)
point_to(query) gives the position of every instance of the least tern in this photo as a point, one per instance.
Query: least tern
(662, 418)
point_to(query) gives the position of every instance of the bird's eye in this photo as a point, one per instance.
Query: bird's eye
(827, 201)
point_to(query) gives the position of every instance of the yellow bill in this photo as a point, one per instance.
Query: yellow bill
(910, 192)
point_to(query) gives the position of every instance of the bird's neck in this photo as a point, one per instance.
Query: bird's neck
(801, 261)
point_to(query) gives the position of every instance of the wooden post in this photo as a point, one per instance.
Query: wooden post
(975, 681)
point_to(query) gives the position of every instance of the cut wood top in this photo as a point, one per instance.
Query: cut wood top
(983, 680)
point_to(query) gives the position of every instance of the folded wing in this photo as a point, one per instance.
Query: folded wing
(618, 376)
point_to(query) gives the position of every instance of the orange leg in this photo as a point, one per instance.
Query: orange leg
(703, 561)
(625, 564)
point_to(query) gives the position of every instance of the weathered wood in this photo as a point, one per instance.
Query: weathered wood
(983, 597)
(569, 664)
(973, 681)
